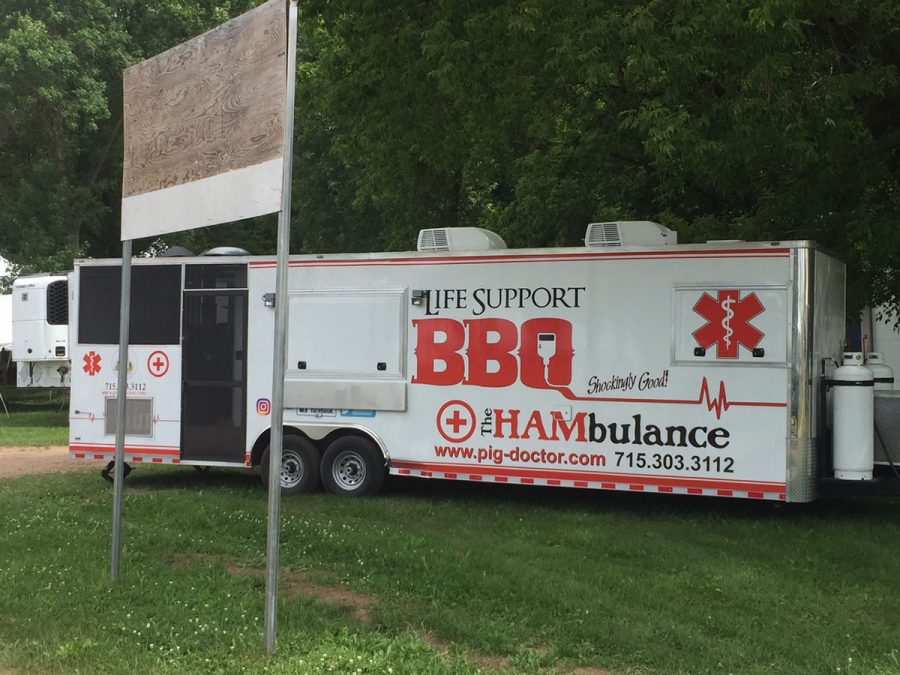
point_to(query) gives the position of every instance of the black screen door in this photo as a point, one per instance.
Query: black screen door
(214, 374)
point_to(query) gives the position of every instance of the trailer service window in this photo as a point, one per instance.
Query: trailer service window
(155, 305)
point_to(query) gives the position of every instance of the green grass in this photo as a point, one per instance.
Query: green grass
(36, 417)
(543, 579)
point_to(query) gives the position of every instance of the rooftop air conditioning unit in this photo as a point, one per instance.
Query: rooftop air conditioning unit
(628, 233)
(453, 239)
(225, 250)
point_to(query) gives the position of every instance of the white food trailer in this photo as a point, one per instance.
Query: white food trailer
(631, 363)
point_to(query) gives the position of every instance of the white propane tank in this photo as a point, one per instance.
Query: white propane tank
(854, 419)
(881, 372)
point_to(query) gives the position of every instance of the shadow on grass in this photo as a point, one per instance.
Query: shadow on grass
(563, 500)
(187, 478)
(572, 500)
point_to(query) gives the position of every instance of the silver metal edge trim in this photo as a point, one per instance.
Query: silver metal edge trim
(800, 470)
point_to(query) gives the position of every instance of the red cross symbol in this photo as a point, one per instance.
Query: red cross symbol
(459, 416)
(92, 363)
(728, 322)
(158, 363)
(456, 421)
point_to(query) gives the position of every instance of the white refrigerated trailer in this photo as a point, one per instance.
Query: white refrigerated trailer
(40, 330)
(631, 363)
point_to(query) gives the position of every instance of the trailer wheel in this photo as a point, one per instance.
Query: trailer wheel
(353, 466)
(299, 466)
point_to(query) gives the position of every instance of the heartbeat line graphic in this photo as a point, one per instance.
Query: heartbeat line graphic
(718, 404)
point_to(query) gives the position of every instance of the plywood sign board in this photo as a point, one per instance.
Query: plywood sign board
(204, 127)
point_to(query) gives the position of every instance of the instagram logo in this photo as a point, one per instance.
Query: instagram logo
(263, 406)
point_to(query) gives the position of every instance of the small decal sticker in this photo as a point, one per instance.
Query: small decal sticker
(263, 406)
(92, 363)
(357, 413)
(728, 324)
(158, 363)
(316, 412)
(456, 421)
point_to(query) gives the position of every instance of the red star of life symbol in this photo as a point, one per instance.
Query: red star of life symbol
(92, 363)
(728, 324)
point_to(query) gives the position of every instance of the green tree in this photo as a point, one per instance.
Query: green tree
(774, 119)
(61, 65)
(765, 120)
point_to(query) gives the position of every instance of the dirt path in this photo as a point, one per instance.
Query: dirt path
(23, 461)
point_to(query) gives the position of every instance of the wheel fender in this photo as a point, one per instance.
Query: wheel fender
(317, 432)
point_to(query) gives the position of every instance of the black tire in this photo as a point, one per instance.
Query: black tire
(353, 466)
(299, 466)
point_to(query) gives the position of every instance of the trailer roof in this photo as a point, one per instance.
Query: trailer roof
(491, 254)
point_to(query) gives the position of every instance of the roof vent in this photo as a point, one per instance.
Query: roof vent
(459, 239)
(433, 240)
(628, 233)
(226, 250)
(603, 234)
(176, 252)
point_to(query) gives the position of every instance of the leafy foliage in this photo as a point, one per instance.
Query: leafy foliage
(768, 120)
(61, 65)
(765, 120)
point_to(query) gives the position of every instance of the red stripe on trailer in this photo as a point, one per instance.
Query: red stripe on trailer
(625, 486)
(696, 483)
(514, 260)
(137, 459)
(695, 255)
(129, 449)
(531, 257)
(156, 460)
(77, 456)
(176, 461)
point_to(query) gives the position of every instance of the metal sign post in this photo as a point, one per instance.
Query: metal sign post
(281, 315)
(121, 399)
(222, 95)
